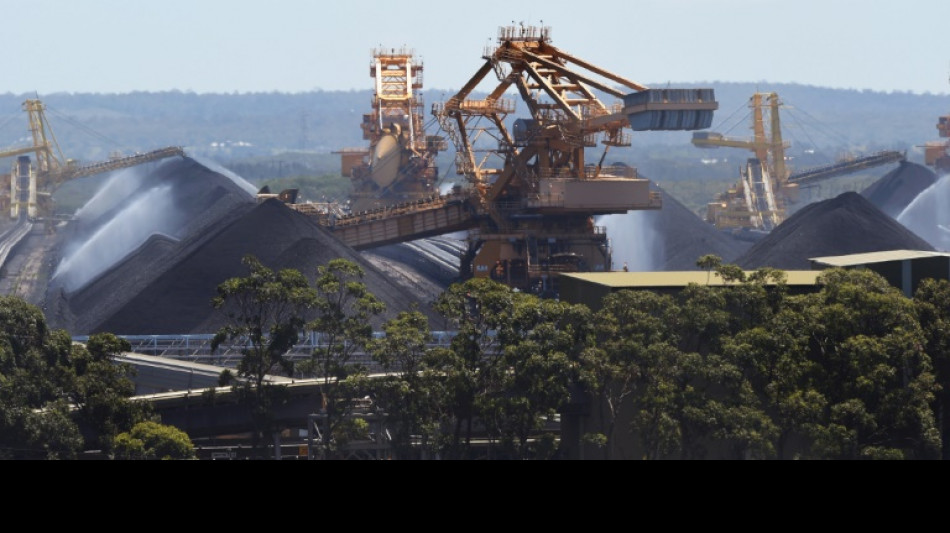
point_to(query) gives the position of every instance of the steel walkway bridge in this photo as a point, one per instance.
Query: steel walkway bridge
(196, 349)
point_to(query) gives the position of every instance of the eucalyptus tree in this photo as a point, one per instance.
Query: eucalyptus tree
(152, 440)
(868, 348)
(736, 417)
(618, 365)
(933, 307)
(54, 393)
(101, 388)
(477, 309)
(775, 362)
(343, 308)
(542, 341)
(265, 313)
(412, 394)
(35, 416)
(509, 369)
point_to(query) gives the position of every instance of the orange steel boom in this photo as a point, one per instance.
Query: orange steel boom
(530, 196)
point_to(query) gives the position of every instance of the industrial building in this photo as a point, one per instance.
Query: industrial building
(590, 289)
(904, 269)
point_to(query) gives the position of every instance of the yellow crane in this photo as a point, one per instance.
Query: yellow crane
(32, 183)
(767, 186)
(937, 153)
(758, 200)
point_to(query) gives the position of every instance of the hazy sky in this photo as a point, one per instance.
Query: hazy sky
(225, 46)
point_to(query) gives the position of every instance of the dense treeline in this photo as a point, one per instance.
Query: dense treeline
(854, 370)
(59, 399)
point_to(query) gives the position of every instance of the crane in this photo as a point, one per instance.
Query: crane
(533, 182)
(530, 196)
(33, 183)
(766, 185)
(753, 202)
(399, 165)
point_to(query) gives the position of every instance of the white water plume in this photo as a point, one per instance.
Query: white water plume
(217, 168)
(153, 212)
(120, 186)
(928, 216)
(634, 240)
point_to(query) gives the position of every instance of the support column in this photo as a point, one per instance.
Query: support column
(31, 205)
(14, 197)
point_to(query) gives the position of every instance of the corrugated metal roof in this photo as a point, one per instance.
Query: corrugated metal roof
(678, 279)
(875, 257)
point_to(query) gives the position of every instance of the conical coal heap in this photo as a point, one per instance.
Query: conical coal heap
(179, 301)
(147, 254)
(846, 224)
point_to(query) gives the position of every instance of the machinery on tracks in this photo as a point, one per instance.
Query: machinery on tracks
(530, 194)
(32, 182)
(759, 200)
(399, 164)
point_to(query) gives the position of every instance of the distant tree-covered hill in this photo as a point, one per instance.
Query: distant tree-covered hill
(287, 135)
(253, 124)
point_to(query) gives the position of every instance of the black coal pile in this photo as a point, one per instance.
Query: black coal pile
(179, 299)
(427, 267)
(150, 261)
(132, 231)
(687, 237)
(847, 224)
(669, 239)
(899, 187)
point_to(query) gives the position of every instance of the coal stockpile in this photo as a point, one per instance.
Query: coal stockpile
(899, 187)
(179, 301)
(426, 267)
(847, 224)
(687, 237)
(134, 229)
(148, 259)
(672, 238)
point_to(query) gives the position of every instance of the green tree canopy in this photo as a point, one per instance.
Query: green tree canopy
(58, 398)
(344, 307)
(151, 440)
(265, 313)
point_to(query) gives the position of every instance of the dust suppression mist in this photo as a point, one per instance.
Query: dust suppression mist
(928, 215)
(635, 240)
(149, 213)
